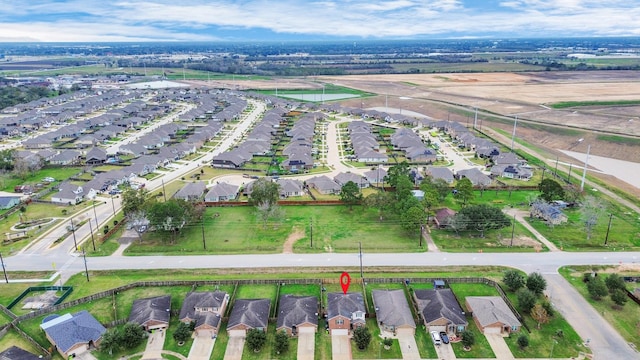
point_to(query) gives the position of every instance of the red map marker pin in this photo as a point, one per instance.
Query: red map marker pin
(345, 281)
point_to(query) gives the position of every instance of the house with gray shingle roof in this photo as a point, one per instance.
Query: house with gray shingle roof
(222, 192)
(344, 177)
(249, 314)
(324, 185)
(392, 311)
(73, 334)
(296, 312)
(290, 187)
(376, 176)
(476, 177)
(205, 309)
(95, 156)
(151, 313)
(440, 173)
(17, 353)
(492, 315)
(66, 157)
(345, 312)
(440, 310)
(191, 191)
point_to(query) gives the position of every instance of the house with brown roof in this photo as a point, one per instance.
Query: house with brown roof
(392, 311)
(249, 314)
(440, 310)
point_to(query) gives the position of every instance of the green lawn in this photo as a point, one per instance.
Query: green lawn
(300, 290)
(376, 350)
(626, 321)
(8, 181)
(481, 348)
(12, 338)
(238, 230)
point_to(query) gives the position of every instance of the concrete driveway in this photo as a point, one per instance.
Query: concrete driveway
(499, 347)
(306, 344)
(408, 346)
(201, 348)
(235, 345)
(340, 347)
(445, 352)
(155, 343)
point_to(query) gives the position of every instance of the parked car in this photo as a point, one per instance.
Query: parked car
(435, 337)
(444, 337)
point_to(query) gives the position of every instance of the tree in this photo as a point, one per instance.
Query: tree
(430, 199)
(362, 337)
(464, 191)
(539, 314)
(281, 342)
(23, 167)
(133, 200)
(597, 288)
(615, 282)
(412, 219)
(526, 299)
(550, 190)
(110, 341)
(396, 172)
(458, 222)
(402, 193)
(484, 217)
(442, 187)
(170, 216)
(513, 279)
(536, 283)
(380, 200)
(619, 297)
(572, 194)
(6, 159)
(350, 194)
(132, 335)
(183, 332)
(468, 339)
(264, 191)
(256, 339)
(523, 341)
(590, 212)
(546, 304)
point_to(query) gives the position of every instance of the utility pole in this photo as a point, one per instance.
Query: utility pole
(513, 136)
(421, 230)
(606, 238)
(555, 173)
(513, 229)
(164, 192)
(95, 215)
(204, 243)
(569, 177)
(86, 271)
(93, 242)
(584, 171)
(311, 231)
(361, 273)
(4, 270)
(113, 205)
(73, 231)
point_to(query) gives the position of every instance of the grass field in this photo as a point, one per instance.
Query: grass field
(570, 104)
(237, 230)
(626, 321)
(8, 181)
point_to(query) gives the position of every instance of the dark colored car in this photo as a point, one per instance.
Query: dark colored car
(444, 337)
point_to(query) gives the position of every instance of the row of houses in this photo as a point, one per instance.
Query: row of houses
(300, 149)
(437, 308)
(366, 147)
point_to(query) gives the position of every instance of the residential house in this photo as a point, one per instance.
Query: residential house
(345, 177)
(517, 172)
(66, 157)
(376, 176)
(440, 310)
(442, 217)
(95, 156)
(345, 312)
(297, 314)
(476, 177)
(205, 310)
(151, 313)
(324, 185)
(548, 212)
(231, 159)
(492, 315)
(191, 191)
(73, 334)
(440, 173)
(68, 194)
(290, 187)
(17, 353)
(222, 192)
(7, 202)
(392, 312)
(249, 314)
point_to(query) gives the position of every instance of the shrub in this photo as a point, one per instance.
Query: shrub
(526, 300)
(468, 339)
(282, 342)
(523, 341)
(362, 337)
(597, 289)
(183, 332)
(513, 279)
(256, 339)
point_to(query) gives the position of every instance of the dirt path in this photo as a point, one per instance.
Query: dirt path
(296, 235)
(519, 216)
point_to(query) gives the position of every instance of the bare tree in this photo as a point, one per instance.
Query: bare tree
(591, 211)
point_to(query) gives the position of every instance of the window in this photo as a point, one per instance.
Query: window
(340, 322)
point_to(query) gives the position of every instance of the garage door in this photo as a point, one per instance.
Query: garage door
(307, 330)
(406, 331)
(438, 328)
(492, 330)
(340, 332)
(237, 333)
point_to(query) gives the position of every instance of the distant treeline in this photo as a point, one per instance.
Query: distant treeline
(10, 95)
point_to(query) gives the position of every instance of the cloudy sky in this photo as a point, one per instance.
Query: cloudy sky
(211, 20)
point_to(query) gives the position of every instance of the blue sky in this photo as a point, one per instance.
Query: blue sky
(255, 20)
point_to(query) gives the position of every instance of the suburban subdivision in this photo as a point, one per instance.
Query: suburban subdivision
(353, 217)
